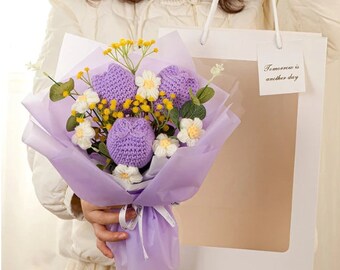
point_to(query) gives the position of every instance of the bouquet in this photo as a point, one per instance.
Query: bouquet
(141, 129)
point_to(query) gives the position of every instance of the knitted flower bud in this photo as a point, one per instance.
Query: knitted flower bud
(130, 142)
(178, 81)
(116, 83)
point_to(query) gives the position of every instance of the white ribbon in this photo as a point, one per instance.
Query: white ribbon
(131, 224)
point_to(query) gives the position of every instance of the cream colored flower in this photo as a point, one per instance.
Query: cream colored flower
(83, 134)
(33, 66)
(216, 70)
(164, 146)
(83, 102)
(148, 85)
(127, 173)
(190, 131)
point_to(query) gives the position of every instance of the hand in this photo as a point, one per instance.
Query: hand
(101, 216)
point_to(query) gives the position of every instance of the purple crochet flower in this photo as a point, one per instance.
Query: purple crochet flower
(116, 83)
(178, 81)
(130, 142)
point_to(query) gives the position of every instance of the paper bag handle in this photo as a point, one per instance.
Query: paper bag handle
(211, 15)
(276, 26)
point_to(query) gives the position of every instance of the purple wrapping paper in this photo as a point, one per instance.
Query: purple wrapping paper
(179, 180)
(160, 240)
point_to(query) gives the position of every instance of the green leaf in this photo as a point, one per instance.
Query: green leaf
(191, 110)
(71, 123)
(100, 166)
(205, 94)
(199, 112)
(57, 90)
(103, 149)
(186, 108)
(194, 99)
(174, 116)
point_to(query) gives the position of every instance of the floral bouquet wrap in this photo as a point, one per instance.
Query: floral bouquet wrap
(140, 129)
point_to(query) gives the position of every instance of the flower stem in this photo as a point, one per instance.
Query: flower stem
(51, 78)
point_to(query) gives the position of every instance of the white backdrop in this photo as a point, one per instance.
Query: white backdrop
(25, 223)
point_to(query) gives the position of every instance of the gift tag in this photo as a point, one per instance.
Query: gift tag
(281, 71)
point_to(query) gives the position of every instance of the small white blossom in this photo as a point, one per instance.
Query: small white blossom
(83, 134)
(148, 85)
(216, 70)
(190, 131)
(33, 66)
(85, 100)
(127, 173)
(164, 146)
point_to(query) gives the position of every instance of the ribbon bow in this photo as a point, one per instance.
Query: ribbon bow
(131, 225)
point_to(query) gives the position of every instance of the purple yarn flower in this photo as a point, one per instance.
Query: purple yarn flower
(178, 81)
(130, 142)
(116, 83)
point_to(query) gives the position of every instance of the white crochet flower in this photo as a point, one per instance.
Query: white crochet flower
(83, 134)
(164, 146)
(148, 85)
(127, 173)
(85, 100)
(190, 131)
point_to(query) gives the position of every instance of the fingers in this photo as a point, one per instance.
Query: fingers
(105, 218)
(104, 249)
(104, 235)
(101, 216)
(90, 207)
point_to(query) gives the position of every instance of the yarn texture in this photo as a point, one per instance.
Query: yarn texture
(178, 81)
(116, 83)
(130, 140)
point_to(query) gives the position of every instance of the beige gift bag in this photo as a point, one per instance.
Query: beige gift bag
(257, 207)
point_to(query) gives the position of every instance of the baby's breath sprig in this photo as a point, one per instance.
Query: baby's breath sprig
(81, 76)
(145, 48)
(105, 114)
(167, 108)
(156, 112)
(122, 49)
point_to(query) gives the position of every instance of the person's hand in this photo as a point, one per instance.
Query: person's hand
(101, 216)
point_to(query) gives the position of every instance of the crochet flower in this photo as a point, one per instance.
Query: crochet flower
(127, 173)
(178, 81)
(164, 146)
(190, 131)
(116, 83)
(148, 85)
(129, 142)
(83, 134)
(85, 100)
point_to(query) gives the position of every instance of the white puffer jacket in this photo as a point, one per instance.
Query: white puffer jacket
(106, 22)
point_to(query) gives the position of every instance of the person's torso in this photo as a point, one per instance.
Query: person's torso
(111, 20)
